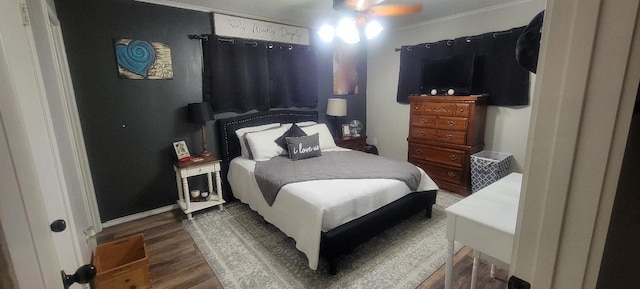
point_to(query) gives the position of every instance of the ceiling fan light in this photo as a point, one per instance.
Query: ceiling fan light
(347, 31)
(326, 33)
(372, 29)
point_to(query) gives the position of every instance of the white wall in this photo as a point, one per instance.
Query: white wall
(388, 121)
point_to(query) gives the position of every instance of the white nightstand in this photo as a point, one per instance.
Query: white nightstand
(184, 170)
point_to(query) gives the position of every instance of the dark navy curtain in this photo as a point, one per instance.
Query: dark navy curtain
(242, 75)
(496, 70)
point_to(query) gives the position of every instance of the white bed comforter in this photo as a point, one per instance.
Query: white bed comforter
(302, 210)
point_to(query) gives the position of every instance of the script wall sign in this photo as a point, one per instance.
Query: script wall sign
(231, 26)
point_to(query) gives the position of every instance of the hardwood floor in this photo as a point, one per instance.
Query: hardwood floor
(176, 263)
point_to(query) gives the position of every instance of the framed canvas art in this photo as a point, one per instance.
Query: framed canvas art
(139, 59)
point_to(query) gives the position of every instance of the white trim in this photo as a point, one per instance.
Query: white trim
(192, 7)
(465, 14)
(73, 120)
(178, 5)
(140, 215)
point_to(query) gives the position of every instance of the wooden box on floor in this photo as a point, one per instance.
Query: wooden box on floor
(123, 264)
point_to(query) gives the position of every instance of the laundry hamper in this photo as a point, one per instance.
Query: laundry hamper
(488, 167)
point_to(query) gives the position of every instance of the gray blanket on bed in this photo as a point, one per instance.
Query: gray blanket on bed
(273, 174)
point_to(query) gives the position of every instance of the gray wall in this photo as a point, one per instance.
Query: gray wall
(129, 125)
(506, 127)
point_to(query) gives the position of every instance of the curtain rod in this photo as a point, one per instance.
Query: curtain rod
(204, 37)
(468, 38)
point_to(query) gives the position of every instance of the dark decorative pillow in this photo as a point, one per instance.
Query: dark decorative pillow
(304, 147)
(294, 131)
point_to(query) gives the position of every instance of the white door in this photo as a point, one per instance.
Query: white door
(77, 193)
(32, 117)
(587, 81)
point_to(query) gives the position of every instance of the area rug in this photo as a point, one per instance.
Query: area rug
(246, 252)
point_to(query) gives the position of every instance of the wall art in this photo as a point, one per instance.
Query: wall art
(139, 59)
(345, 73)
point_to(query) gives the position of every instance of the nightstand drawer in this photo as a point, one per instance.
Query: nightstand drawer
(436, 154)
(201, 169)
(357, 143)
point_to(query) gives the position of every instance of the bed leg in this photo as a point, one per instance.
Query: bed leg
(428, 211)
(333, 266)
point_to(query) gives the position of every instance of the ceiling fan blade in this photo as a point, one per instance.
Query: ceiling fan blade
(395, 10)
(361, 5)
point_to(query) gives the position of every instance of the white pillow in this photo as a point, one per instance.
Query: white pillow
(326, 139)
(240, 134)
(263, 144)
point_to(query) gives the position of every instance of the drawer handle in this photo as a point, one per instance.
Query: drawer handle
(416, 108)
(462, 110)
(421, 133)
(449, 137)
(453, 157)
(419, 151)
(422, 120)
(452, 123)
(451, 174)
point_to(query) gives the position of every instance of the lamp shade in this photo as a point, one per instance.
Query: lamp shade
(200, 112)
(337, 107)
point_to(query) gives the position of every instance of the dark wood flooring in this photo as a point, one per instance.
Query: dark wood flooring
(176, 263)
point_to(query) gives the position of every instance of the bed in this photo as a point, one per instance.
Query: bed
(326, 218)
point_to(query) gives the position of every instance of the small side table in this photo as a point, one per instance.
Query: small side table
(357, 143)
(187, 169)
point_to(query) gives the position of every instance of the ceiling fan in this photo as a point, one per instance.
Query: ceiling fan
(372, 7)
(361, 11)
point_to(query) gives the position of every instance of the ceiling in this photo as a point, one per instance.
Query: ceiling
(313, 13)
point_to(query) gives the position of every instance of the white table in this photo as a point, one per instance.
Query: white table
(190, 169)
(486, 222)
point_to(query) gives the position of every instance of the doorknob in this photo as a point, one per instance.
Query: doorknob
(58, 225)
(83, 275)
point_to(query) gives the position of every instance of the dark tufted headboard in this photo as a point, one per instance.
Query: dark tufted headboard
(230, 145)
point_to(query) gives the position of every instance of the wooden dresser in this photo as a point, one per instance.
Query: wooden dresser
(443, 133)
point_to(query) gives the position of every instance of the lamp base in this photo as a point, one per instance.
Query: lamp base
(206, 154)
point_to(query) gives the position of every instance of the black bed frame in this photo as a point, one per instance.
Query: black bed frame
(343, 239)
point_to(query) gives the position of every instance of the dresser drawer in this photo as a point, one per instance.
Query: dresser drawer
(452, 123)
(440, 172)
(436, 154)
(451, 137)
(434, 108)
(424, 120)
(423, 133)
(462, 109)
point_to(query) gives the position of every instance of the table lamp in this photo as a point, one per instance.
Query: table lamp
(336, 107)
(201, 112)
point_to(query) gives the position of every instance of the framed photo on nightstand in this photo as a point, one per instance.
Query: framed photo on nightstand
(345, 130)
(182, 151)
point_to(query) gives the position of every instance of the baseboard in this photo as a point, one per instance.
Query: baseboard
(140, 215)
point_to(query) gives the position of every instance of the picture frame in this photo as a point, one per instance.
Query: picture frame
(345, 130)
(182, 151)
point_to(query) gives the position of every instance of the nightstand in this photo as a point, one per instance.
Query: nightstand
(191, 168)
(357, 143)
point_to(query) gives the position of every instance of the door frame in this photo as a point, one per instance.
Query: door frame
(586, 85)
